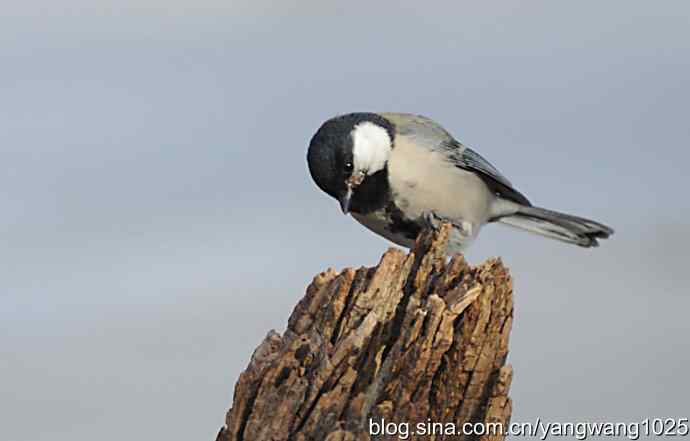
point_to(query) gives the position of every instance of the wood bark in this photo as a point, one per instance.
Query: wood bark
(417, 339)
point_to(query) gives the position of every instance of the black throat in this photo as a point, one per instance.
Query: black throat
(372, 194)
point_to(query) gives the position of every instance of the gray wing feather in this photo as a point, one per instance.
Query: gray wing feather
(468, 159)
(474, 160)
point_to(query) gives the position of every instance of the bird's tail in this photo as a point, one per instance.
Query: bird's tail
(559, 226)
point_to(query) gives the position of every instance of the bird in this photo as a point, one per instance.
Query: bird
(399, 173)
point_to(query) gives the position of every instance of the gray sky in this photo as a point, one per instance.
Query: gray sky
(158, 217)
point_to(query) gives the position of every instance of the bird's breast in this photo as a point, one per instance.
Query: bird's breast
(423, 180)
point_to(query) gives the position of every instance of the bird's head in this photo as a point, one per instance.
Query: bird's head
(347, 151)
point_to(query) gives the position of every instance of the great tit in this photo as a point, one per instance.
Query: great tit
(398, 173)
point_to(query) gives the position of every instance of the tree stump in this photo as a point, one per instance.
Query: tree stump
(418, 339)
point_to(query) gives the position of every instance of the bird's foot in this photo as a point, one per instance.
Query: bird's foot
(433, 220)
(465, 229)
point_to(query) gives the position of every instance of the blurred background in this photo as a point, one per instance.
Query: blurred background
(157, 216)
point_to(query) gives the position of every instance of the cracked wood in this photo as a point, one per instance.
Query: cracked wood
(417, 338)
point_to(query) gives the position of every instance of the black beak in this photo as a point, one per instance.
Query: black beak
(345, 200)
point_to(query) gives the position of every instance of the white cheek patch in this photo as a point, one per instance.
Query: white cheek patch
(371, 147)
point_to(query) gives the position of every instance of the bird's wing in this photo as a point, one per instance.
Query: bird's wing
(427, 132)
(466, 158)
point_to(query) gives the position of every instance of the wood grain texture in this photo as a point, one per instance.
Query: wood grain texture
(418, 338)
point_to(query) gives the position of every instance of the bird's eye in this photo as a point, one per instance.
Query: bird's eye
(348, 167)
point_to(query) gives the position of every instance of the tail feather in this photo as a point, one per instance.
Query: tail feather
(559, 226)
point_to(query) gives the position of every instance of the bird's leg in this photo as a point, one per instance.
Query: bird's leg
(434, 221)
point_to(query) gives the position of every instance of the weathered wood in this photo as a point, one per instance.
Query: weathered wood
(415, 339)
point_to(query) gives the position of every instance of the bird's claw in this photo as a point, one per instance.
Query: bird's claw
(434, 222)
